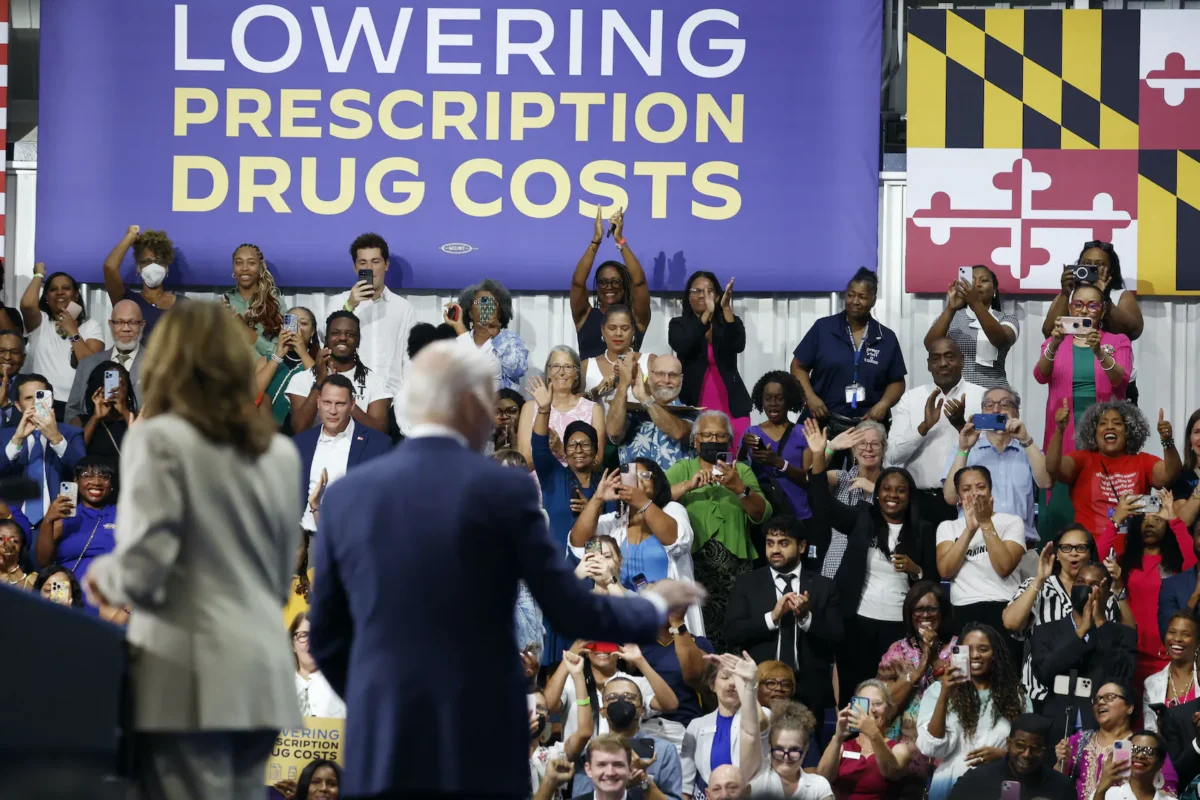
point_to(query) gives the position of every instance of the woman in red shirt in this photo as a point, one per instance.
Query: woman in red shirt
(860, 762)
(1157, 546)
(1109, 463)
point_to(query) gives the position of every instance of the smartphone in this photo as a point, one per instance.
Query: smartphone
(601, 647)
(1076, 325)
(960, 658)
(639, 582)
(593, 546)
(1083, 687)
(863, 705)
(366, 276)
(643, 747)
(1151, 504)
(629, 475)
(989, 422)
(1121, 752)
(291, 323)
(723, 462)
(1085, 273)
(112, 383)
(71, 490)
(43, 401)
(60, 592)
(1010, 790)
(487, 309)
(452, 314)
(752, 440)
(966, 274)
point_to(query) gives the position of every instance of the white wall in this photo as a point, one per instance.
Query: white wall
(1165, 356)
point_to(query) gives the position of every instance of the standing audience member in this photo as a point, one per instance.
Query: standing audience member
(599, 666)
(726, 783)
(867, 441)
(60, 333)
(340, 357)
(708, 337)
(12, 360)
(387, 318)
(614, 284)
(1187, 486)
(714, 740)
(10, 318)
(507, 411)
(317, 698)
(722, 499)
(126, 327)
(1012, 456)
(421, 336)
(14, 537)
(777, 448)
(1123, 314)
(38, 447)
(1180, 592)
(482, 317)
(254, 300)
(849, 365)
(153, 254)
(567, 405)
(106, 419)
(783, 612)
(319, 780)
(776, 681)
(860, 761)
(1180, 728)
(1145, 774)
(975, 320)
(295, 352)
(1023, 765)
(965, 718)
(653, 430)
(601, 378)
(926, 424)
(1176, 683)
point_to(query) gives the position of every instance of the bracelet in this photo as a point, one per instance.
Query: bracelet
(1027, 442)
(541, 410)
(963, 453)
(1114, 364)
(1049, 354)
(587, 701)
(786, 466)
(276, 358)
(346, 307)
(642, 510)
(620, 242)
(829, 451)
(1167, 443)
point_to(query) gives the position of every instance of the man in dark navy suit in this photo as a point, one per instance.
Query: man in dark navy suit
(416, 565)
(38, 447)
(330, 449)
(1180, 591)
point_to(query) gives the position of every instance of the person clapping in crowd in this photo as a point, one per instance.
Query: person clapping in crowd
(777, 448)
(295, 352)
(153, 254)
(860, 760)
(126, 327)
(480, 318)
(867, 442)
(708, 337)
(567, 405)
(340, 357)
(614, 284)
(652, 430)
(974, 319)
(1187, 486)
(38, 447)
(1023, 765)
(254, 300)
(678, 656)
(1176, 683)
(601, 378)
(60, 333)
(12, 359)
(107, 415)
(56, 584)
(910, 665)
(715, 739)
(317, 698)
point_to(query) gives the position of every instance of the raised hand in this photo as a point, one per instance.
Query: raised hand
(322, 363)
(626, 369)
(1164, 427)
(598, 228)
(618, 222)
(967, 436)
(1062, 414)
(574, 662)
(1092, 340)
(816, 437)
(1067, 279)
(1015, 428)
(1045, 566)
(847, 439)
(133, 231)
(983, 507)
(578, 501)
(1167, 511)
(864, 485)
(1128, 505)
(956, 411)
(539, 391)
(630, 653)
(559, 772)
(609, 487)
(1057, 334)
(782, 606)
(955, 298)
(933, 411)
(101, 403)
(727, 296)
(800, 604)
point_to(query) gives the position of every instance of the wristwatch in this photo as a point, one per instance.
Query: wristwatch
(681, 629)
(746, 491)
(75, 338)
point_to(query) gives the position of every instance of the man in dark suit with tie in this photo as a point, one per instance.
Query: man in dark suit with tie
(1180, 591)
(38, 447)
(417, 561)
(782, 612)
(126, 326)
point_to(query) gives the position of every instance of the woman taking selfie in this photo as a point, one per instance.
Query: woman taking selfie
(60, 333)
(295, 352)
(615, 284)
(254, 300)
(1143, 777)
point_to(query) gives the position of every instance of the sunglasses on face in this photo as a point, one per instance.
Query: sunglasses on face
(1144, 750)
(1105, 246)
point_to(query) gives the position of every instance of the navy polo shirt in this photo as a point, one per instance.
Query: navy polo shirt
(828, 353)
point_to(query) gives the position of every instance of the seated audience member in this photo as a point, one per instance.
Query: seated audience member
(317, 698)
(600, 375)
(340, 357)
(678, 656)
(567, 750)
(653, 531)
(616, 772)
(614, 284)
(602, 566)
(1023, 764)
(1144, 774)
(722, 499)
(708, 338)
(965, 719)
(651, 431)
(1085, 643)
(979, 553)
(14, 536)
(726, 783)
(12, 359)
(421, 336)
(599, 667)
(926, 424)
(1186, 488)
(320, 779)
(1011, 455)
(295, 352)
(974, 319)
(1046, 597)
(860, 761)
(106, 418)
(126, 327)
(714, 739)
(776, 681)
(785, 613)
(505, 414)
(58, 585)
(1083, 755)
(153, 254)
(254, 299)
(38, 447)
(1180, 592)
(327, 452)
(867, 441)
(1176, 683)
(567, 405)
(777, 448)
(623, 710)
(482, 317)
(890, 548)
(1180, 728)
(1109, 462)
(911, 664)
(71, 534)
(60, 333)
(1156, 546)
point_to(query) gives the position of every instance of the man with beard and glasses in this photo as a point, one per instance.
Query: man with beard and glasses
(126, 326)
(653, 431)
(1023, 766)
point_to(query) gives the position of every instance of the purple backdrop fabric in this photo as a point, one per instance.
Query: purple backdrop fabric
(807, 165)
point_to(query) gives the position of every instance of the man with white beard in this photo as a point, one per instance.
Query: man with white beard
(652, 431)
(126, 325)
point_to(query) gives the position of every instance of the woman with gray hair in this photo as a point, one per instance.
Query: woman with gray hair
(1109, 463)
(565, 380)
(481, 317)
(867, 441)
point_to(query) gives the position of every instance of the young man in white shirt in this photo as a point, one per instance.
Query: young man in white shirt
(341, 356)
(386, 317)
(925, 425)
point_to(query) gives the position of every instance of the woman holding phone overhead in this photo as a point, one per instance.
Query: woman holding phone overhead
(974, 319)
(615, 284)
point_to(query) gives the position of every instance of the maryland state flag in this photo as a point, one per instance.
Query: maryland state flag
(1032, 132)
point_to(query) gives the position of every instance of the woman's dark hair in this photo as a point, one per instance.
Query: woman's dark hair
(12, 523)
(867, 277)
(995, 283)
(1089, 540)
(44, 305)
(979, 468)
(617, 310)
(95, 382)
(263, 306)
(1114, 264)
(52, 570)
(1189, 458)
(156, 242)
(661, 494)
(360, 369)
(424, 334)
(717, 319)
(626, 282)
(910, 529)
(314, 342)
(306, 776)
(365, 242)
(1185, 613)
(504, 301)
(511, 394)
(1008, 696)
(1126, 692)
(918, 590)
(1131, 559)
(793, 395)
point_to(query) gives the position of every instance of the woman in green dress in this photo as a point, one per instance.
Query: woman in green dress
(294, 352)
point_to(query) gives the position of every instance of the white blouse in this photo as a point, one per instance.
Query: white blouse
(1155, 691)
(317, 698)
(50, 354)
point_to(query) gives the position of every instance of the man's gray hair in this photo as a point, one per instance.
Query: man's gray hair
(1016, 398)
(712, 413)
(441, 374)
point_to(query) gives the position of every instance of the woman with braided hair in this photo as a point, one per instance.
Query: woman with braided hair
(254, 299)
(965, 716)
(615, 283)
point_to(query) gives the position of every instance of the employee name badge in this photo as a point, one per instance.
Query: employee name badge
(855, 394)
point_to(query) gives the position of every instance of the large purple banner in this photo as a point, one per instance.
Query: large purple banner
(478, 138)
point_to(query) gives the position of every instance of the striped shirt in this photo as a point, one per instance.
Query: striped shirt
(846, 493)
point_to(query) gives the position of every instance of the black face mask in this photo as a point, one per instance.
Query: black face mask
(710, 450)
(621, 714)
(1080, 594)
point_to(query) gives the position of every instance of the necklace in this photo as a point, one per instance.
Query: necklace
(1174, 696)
(609, 360)
(16, 579)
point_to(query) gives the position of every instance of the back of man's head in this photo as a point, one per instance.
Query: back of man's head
(423, 334)
(451, 384)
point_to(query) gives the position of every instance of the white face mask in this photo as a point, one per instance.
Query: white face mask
(153, 275)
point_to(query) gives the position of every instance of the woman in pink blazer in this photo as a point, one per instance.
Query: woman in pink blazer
(1094, 368)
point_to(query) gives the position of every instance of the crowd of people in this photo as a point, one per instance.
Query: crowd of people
(908, 596)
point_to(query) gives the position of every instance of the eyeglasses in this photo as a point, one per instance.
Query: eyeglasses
(791, 755)
(1026, 747)
(772, 683)
(696, 291)
(1067, 549)
(11, 353)
(92, 474)
(712, 436)
(1144, 750)
(560, 368)
(127, 323)
(579, 445)
(628, 697)
(870, 445)
(507, 412)
(927, 611)
(1107, 698)
(609, 283)
(666, 375)
(1079, 305)
(645, 475)
(988, 405)
(300, 636)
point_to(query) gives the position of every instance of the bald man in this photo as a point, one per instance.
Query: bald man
(726, 783)
(650, 430)
(125, 326)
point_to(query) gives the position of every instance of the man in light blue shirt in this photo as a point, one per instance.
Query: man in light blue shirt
(1011, 455)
